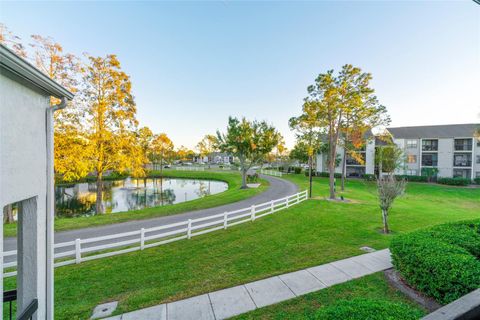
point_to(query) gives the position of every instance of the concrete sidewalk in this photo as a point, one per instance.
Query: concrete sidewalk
(230, 302)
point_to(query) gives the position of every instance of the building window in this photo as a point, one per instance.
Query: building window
(463, 144)
(477, 174)
(429, 159)
(412, 144)
(462, 160)
(411, 158)
(478, 159)
(430, 145)
(358, 160)
(462, 173)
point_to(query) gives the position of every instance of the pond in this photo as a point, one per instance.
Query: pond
(131, 194)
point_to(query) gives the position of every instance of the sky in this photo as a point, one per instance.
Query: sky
(193, 64)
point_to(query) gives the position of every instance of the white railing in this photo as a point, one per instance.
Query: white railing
(190, 168)
(271, 173)
(80, 250)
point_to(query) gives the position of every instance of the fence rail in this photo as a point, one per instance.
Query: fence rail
(271, 173)
(80, 250)
(190, 168)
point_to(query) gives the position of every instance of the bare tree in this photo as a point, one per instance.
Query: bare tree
(389, 188)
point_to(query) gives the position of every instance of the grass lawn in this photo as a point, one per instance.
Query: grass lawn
(311, 233)
(233, 194)
(374, 286)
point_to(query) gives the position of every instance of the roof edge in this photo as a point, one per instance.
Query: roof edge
(17, 65)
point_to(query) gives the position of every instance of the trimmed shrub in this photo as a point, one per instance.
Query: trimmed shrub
(326, 174)
(477, 180)
(454, 181)
(413, 178)
(369, 177)
(297, 170)
(371, 309)
(252, 178)
(442, 261)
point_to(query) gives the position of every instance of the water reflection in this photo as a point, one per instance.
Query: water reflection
(131, 194)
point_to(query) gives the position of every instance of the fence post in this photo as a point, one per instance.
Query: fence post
(189, 229)
(78, 253)
(252, 212)
(142, 238)
(298, 197)
(225, 220)
(271, 206)
(287, 202)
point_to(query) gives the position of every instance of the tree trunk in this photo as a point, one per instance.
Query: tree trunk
(161, 167)
(8, 214)
(310, 164)
(385, 221)
(344, 168)
(99, 200)
(244, 179)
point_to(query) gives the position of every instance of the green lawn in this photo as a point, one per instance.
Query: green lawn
(374, 286)
(309, 234)
(233, 194)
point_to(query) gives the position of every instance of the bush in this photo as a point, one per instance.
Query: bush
(442, 261)
(297, 170)
(477, 180)
(371, 309)
(413, 178)
(326, 174)
(252, 178)
(454, 181)
(369, 177)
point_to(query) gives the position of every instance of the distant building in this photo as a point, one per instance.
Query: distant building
(214, 158)
(451, 149)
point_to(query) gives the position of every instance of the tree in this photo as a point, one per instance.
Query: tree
(71, 148)
(388, 158)
(12, 41)
(336, 98)
(308, 135)
(389, 188)
(300, 152)
(110, 110)
(249, 141)
(206, 146)
(162, 149)
(184, 154)
(145, 140)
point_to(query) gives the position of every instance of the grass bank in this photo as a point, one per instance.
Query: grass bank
(233, 194)
(311, 233)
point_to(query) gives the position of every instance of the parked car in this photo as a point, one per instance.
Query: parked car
(167, 166)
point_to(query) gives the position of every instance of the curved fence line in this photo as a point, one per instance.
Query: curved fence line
(80, 250)
(271, 173)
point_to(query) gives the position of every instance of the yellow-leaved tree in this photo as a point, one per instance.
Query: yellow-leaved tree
(206, 146)
(111, 120)
(71, 145)
(161, 150)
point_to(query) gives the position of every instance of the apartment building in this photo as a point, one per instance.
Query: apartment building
(452, 149)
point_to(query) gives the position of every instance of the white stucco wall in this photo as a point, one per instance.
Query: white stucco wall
(370, 157)
(23, 165)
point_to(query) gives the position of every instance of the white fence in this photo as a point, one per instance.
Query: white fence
(271, 173)
(190, 168)
(80, 250)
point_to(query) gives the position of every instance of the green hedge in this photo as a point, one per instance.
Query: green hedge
(442, 261)
(413, 178)
(477, 180)
(371, 309)
(454, 181)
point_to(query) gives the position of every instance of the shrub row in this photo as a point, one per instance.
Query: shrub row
(442, 261)
(323, 174)
(371, 309)
(454, 181)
